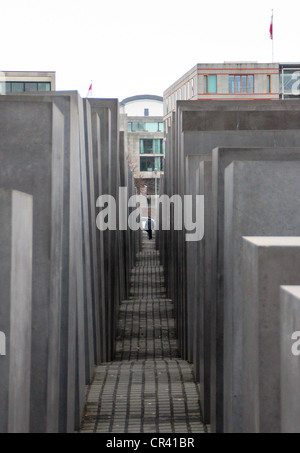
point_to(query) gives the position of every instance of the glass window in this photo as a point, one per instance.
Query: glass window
(151, 146)
(151, 127)
(268, 84)
(241, 84)
(205, 84)
(158, 146)
(147, 163)
(150, 163)
(212, 84)
(8, 87)
(231, 84)
(31, 86)
(146, 146)
(250, 84)
(17, 87)
(244, 84)
(161, 127)
(237, 84)
(129, 127)
(44, 86)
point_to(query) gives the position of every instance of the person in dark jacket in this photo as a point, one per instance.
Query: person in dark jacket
(149, 228)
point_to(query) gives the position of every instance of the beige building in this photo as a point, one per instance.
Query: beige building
(141, 119)
(26, 81)
(234, 80)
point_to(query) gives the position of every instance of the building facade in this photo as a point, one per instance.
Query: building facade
(26, 81)
(141, 119)
(228, 81)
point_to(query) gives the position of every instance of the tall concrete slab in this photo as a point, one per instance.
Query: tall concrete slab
(16, 214)
(192, 263)
(92, 345)
(108, 112)
(32, 159)
(228, 247)
(268, 263)
(289, 359)
(199, 127)
(101, 310)
(202, 355)
(72, 335)
(222, 157)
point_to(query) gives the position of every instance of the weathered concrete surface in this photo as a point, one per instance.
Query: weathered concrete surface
(195, 131)
(247, 204)
(268, 262)
(16, 213)
(192, 262)
(221, 158)
(289, 362)
(204, 285)
(31, 160)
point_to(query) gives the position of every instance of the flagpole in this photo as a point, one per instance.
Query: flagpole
(273, 37)
(90, 90)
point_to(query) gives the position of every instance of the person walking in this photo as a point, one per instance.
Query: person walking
(149, 227)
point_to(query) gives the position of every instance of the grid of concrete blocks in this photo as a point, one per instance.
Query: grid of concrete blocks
(237, 303)
(61, 279)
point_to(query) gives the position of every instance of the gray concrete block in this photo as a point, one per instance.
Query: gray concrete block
(31, 160)
(202, 360)
(222, 157)
(196, 133)
(72, 286)
(192, 264)
(99, 155)
(93, 348)
(16, 213)
(289, 359)
(108, 112)
(268, 263)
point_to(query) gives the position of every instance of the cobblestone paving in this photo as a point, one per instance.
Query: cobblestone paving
(147, 388)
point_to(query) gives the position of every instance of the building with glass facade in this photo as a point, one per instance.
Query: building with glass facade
(25, 81)
(144, 139)
(234, 80)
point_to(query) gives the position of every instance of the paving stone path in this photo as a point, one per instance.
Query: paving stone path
(147, 388)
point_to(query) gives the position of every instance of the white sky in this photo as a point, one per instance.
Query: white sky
(137, 47)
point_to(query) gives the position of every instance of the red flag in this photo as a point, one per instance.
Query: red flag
(271, 27)
(91, 87)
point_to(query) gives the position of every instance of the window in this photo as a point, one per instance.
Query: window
(20, 87)
(147, 164)
(145, 126)
(151, 146)
(31, 86)
(192, 87)
(150, 163)
(44, 86)
(210, 84)
(241, 84)
(269, 87)
(16, 87)
(146, 112)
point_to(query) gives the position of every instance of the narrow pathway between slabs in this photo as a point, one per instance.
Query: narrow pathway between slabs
(147, 388)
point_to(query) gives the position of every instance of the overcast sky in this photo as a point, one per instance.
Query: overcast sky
(141, 47)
